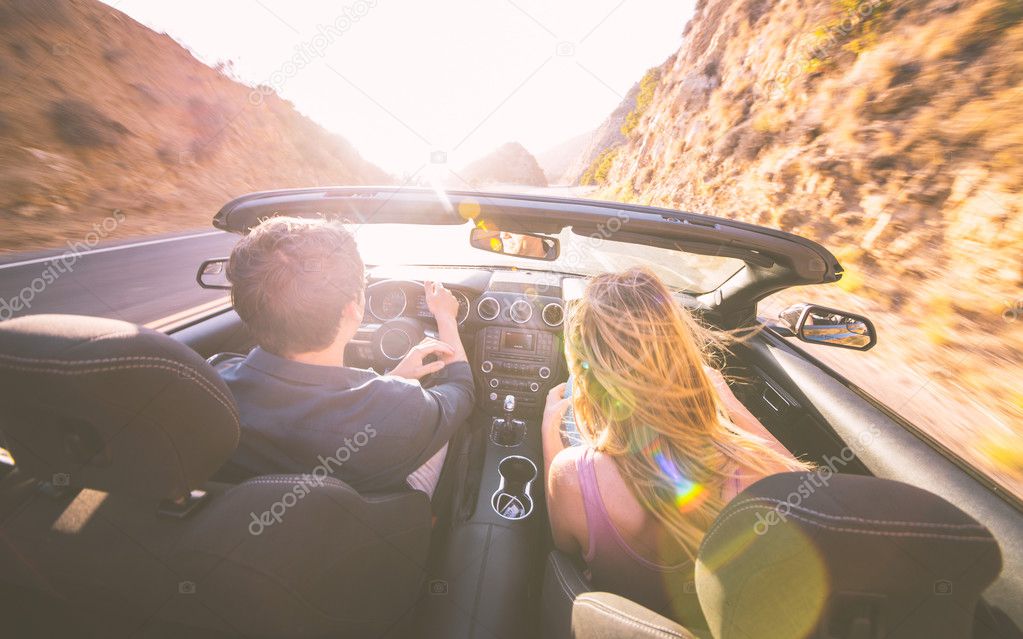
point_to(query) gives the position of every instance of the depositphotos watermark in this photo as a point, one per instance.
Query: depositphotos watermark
(327, 467)
(59, 265)
(812, 481)
(820, 47)
(576, 252)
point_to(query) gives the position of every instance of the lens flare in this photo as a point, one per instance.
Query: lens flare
(469, 209)
(688, 494)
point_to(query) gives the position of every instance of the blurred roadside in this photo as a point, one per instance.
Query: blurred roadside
(892, 133)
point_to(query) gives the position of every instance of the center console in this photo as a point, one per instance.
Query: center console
(519, 352)
(488, 571)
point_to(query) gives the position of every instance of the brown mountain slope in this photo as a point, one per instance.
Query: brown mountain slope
(892, 132)
(99, 113)
(510, 163)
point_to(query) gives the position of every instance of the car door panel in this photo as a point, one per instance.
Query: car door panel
(890, 448)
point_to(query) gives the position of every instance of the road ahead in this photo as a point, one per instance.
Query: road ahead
(139, 280)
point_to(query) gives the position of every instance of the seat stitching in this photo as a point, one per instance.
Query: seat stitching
(109, 360)
(629, 619)
(563, 581)
(877, 533)
(202, 383)
(922, 524)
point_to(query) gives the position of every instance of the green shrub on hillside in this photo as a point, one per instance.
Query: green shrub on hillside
(647, 87)
(856, 28)
(596, 173)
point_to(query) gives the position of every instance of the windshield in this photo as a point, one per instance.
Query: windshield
(448, 245)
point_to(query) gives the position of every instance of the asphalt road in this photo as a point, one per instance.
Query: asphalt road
(139, 280)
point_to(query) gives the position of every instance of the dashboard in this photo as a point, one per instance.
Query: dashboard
(510, 324)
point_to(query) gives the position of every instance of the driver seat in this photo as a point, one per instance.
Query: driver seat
(857, 557)
(109, 525)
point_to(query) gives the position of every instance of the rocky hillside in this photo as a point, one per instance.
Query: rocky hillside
(889, 130)
(511, 163)
(99, 113)
(601, 144)
(894, 129)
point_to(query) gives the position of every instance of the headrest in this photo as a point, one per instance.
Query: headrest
(104, 404)
(809, 555)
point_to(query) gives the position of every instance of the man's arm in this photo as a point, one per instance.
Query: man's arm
(444, 306)
(428, 418)
(431, 416)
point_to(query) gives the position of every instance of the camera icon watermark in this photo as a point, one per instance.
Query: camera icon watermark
(186, 587)
(61, 49)
(438, 157)
(943, 587)
(565, 49)
(437, 587)
(61, 479)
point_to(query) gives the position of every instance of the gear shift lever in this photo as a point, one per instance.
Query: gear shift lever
(508, 431)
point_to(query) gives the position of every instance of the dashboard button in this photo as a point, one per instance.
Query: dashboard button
(534, 387)
(544, 372)
(494, 383)
(487, 366)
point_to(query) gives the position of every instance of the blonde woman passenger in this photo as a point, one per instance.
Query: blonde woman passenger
(665, 443)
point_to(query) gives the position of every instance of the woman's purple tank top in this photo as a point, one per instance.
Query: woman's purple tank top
(615, 567)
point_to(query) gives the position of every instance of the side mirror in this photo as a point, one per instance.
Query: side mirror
(828, 326)
(528, 245)
(213, 274)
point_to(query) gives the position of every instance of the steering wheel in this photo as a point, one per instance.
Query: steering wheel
(394, 338)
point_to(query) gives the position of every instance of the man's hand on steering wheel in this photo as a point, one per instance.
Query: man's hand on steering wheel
(412, 367)
(442, 303)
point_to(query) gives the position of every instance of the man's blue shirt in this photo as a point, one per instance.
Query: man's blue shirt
(368, 430)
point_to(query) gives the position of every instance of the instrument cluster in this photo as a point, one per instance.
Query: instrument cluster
(395, 301)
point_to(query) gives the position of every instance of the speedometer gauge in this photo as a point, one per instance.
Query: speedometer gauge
(463, 306)
(422, 310)
(387, 304)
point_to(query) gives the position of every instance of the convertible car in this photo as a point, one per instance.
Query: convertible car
(120, 514)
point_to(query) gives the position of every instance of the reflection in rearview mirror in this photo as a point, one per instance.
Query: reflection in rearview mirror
(828, 326)
(528, 245)
(213, 274)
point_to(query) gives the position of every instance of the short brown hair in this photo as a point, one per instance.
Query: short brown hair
(291, 279)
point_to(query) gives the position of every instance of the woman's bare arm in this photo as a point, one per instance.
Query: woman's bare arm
(564, 497)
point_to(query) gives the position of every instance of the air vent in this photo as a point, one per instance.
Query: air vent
(521, 311)
(488, 308)
(553, 314)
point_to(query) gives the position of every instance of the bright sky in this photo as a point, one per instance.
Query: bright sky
(402, 79)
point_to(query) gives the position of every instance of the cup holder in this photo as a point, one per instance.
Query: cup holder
(513, 500)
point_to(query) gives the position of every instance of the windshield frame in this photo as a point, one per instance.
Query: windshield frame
(582, 255)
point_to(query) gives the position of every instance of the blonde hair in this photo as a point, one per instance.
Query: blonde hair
(643, 397)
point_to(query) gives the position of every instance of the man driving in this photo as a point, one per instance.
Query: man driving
(299, 286)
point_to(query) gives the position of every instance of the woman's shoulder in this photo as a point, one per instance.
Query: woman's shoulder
(564, 467)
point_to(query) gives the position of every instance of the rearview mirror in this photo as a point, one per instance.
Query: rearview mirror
(213, 274)
(528, 245)
(828, 326)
